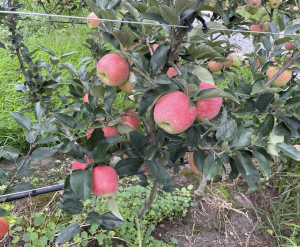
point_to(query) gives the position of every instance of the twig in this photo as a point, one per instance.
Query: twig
(148, 44)
(176, 68)
(95, 203)
(269, 82)
(200, 191)
(21, 166)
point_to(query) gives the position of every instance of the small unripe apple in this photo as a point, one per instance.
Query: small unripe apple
(112, 70)
(207, 108)
(215, 66)
(289, 46)
(283, 79)
(192, 164)
(252, 9)
(274, 4)
(255, 2)
(77, 165)
(228, 64)
(93, 23)
(105, 181)
(173, 113)
(256, 28)
(133, 122)
(3, 227)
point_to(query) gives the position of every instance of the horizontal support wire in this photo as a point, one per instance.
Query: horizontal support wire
(136, 22)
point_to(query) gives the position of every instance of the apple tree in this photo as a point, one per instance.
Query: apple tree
(169, 72)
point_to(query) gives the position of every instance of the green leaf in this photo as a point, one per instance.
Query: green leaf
(3, 178)
(69, 232)
(293, 124)
(42, 153)
(68, 54)
(22, 120)
(88, 114)
(227, 131)
(97, 91)
(212, 167)
(282, 40)
(213, 93)
(281, 130)
(71, 206)
(204, 51)
(126, 38)
(153, 16)
(292, 102)
(3, 212)
(242, 139)
(113, 206)
(263, 164)
(192, 137)
(203, 74)
(243, 89)
(39, 110)
(199, 158)
(109, 99)
(263, 102)
(157, 170)
(183, 5)
(151, 152)
(66, 120)
(46, 128)
(31, 135)
(47, 138)
(138, 141)
(260, 87)
(266, 126)
(247, 110)
(93, 218)
(69, 67)
(47, 50)
(111, 39)
(169, 14)
(158, 59)
(109, 221)
(245, 158)
(267, 44)
(99, 152)
(289, 150)
(81, 183)
(128, 167)
(292, 29)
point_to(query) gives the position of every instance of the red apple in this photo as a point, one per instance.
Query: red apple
(86, 98)
(112, 70)
(256, 28)
(289, 46)
(192, 164)
(78, 165)
(283, 79)
(93, 23)
(228, 64)
(105, 181)
(108, 130)
(173, 113)
(3, 227)
(89, 160)
(215, 66)
(133, 122)
(172, 72)
(127, 87)
(208, 108)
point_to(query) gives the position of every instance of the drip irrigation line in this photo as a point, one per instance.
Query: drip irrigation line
(46, 190)
(137, 22)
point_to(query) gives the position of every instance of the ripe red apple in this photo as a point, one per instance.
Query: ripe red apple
(192, 164)
(172, 72)
(289, 46)
(3, 227)
(112, 70)
(108, 130)
(78, 165)
(93, 23)
(265, 27)
(215, 66)
(173, 113)
(207, 108)
(133, 122)
(274, 4)
(256, 28)
(105, 181)
(86, 98)
(228, 64)
(283, 79)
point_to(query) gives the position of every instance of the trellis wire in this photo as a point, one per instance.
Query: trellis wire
(136, 22)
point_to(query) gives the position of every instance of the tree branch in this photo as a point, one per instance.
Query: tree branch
(289, 63)
(199, 193)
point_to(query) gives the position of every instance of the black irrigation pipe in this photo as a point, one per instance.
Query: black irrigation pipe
(53, 188)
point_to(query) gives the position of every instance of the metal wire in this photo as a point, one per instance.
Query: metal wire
(136, 22)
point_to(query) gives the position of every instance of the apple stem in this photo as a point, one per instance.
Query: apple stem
(289, 63)
(148, 44)
(200, 193)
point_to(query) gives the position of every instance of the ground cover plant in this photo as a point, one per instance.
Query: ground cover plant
(170, 106)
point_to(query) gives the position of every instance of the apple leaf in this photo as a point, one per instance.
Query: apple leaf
(81, 183)
(22, 120)
(114, 207)
(214, 93)
(128, 167)
(199, 158)
(157, 170)
(110, 221)
(42, 153)
(69, 232)
(138, 141)
(71, 206)
(3, 212)
(289, 150)
(227, 131)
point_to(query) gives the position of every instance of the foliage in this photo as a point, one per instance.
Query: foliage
(41, 227)
(252, 135)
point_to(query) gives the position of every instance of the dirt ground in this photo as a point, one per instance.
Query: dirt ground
(223, 218)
